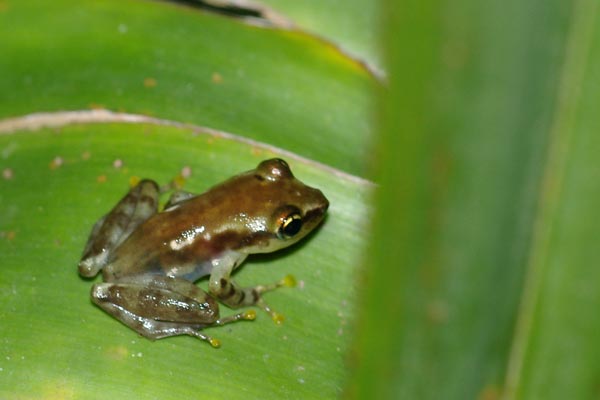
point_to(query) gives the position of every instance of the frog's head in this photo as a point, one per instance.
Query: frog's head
(284, 209)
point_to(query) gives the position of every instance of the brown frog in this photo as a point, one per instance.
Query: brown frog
(150, 259)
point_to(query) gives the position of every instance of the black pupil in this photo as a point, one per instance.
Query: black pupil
(292, 226)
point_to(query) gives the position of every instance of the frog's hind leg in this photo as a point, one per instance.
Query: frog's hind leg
(140, 203)
(158, 307)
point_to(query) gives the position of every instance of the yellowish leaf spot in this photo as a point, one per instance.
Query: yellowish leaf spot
(58, 390)
(216, 78)
(150, 82)
(96, 106)
(437, 311)
(489, 392)
(117, 353)
(10, 235)
(134, 180)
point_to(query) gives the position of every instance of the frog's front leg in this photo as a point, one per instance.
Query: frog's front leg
(139, 204)
(160, 306)
(230, 293)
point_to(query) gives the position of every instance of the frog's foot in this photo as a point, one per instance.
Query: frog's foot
(249, 315)
(287, 281)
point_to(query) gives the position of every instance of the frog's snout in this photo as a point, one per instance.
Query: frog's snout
(323, 202)
(319, 208)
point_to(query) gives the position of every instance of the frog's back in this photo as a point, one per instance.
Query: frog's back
(166, 244)
(240, 216)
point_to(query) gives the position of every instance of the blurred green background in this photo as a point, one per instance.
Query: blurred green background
(455, 141)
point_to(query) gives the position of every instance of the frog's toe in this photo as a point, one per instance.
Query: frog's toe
(277, 318)
(215, 343)
(90, 266)
(288, 281)
(249, 315)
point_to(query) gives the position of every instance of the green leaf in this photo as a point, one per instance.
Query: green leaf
(57, 344)
(284, 92)
(557, 325)
(483, 263)
(285, 88)
(351, 25)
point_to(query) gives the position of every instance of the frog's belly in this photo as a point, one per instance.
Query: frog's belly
(157, 264)
(190, 272)
(173, 264)
(226, 260)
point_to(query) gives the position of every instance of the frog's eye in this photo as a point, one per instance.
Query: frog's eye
(290, 225)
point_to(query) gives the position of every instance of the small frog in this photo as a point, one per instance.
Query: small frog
(150, 259)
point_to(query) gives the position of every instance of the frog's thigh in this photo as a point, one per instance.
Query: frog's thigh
(157, 307)
(151, 328)
(139, 204)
